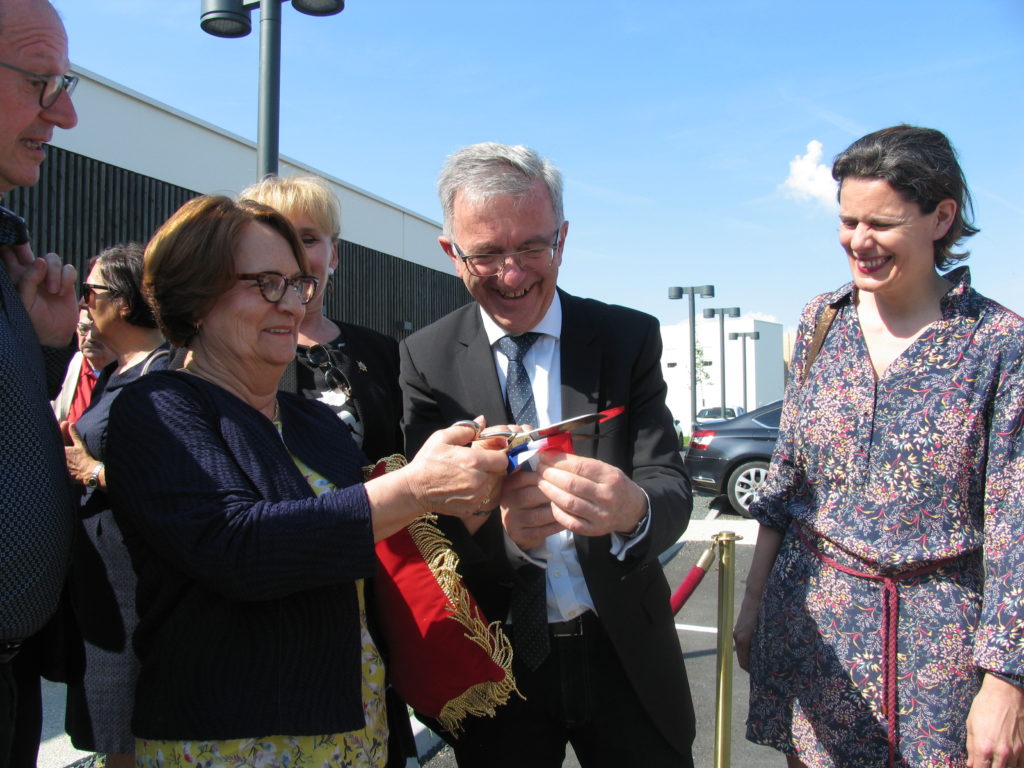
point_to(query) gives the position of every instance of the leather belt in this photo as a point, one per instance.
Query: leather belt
(9, 649)
(572, 627)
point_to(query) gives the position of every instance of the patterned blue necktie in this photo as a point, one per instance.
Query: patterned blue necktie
(528, 605)
(518, 392)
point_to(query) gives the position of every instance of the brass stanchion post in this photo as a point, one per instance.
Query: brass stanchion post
(726, 541)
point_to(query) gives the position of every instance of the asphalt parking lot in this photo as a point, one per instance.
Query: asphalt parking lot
(696, 628)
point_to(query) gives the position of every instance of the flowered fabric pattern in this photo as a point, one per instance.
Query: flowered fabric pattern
(924, 464)
(365, 748)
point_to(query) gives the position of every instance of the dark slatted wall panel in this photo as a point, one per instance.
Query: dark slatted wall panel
(81, 206)
(381, 292)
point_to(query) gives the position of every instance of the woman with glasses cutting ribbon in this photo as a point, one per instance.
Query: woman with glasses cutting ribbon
(352, 369)
(249, 523)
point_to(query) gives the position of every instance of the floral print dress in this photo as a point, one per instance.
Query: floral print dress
(365, 748)
(918, 476)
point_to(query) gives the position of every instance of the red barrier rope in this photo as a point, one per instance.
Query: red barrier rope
(693, 578)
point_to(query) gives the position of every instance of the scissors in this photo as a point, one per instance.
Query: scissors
(517, 441)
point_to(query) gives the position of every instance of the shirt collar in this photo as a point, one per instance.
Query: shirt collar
(550, 324)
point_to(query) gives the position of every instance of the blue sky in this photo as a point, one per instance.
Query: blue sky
(676, 123)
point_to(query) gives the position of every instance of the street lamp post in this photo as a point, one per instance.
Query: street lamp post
(230, 18)
(753, 336)
(722, 312)
(705, 292)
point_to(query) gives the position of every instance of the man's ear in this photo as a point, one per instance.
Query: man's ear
(446, 245)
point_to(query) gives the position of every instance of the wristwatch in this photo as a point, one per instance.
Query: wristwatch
(93, 480)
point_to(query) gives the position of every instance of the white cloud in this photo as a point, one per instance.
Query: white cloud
(762, 316)
(809, 179)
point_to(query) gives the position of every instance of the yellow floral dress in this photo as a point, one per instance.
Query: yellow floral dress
(365, 748)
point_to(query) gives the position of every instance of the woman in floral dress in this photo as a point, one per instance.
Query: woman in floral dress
(883, 620)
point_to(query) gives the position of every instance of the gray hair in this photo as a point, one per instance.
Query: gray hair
(485, 170)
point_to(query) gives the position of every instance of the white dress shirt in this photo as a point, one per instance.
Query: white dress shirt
(567, 592)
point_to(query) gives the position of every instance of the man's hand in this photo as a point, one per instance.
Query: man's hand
(590, 497)
(995, 725)
(47, 290)
(526, 513)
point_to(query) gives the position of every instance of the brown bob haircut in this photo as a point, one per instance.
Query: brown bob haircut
(190, 262)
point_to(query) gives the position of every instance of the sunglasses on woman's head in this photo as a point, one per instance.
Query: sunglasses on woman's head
(319, 356)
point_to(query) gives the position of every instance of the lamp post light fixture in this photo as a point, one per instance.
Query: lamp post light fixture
(230, 18)
(744, 335)
(722, 312)
(705, 292)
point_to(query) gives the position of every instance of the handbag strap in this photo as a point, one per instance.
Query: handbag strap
(153, 358)
(828, 314)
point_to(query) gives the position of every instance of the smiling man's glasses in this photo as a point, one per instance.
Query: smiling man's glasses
(50, 86)
(274, 284)
(535, 259)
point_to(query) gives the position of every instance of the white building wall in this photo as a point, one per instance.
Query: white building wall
(132, 131)
(765, 366)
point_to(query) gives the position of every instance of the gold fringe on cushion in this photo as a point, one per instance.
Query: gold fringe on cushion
(482, 698)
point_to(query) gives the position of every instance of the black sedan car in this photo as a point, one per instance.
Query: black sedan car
(731, 457)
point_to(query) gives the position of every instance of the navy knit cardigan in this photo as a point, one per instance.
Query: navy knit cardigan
(248, 610)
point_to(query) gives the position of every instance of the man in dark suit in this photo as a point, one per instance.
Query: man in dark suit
(37, 306)
(574, 544)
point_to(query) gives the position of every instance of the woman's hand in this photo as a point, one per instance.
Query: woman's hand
(451, 475)
(995, 725)
(81, 463)
(743, 632)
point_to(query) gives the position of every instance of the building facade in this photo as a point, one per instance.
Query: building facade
(132, 161)
(761, 361)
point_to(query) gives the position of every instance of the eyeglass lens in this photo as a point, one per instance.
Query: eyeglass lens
(273, 285)
(320, 356)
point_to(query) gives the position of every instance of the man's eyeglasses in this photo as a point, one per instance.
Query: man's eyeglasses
(490, 264)
(90, 289)
(319, 356)
(274, 284)
(50, 86)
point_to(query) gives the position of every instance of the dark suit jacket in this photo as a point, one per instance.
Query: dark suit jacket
(610, 356)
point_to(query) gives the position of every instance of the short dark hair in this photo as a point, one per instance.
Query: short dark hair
(121, 267)
(920, 164)
(190, 262)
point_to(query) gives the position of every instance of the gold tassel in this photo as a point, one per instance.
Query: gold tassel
(482, 698)
(443, 562)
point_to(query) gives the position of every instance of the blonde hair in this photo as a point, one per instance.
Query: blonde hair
(310, 195)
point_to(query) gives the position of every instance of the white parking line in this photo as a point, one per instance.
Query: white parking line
(696, 628)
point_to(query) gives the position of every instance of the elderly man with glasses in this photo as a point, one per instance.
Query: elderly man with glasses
(37, 307)
(567, 558)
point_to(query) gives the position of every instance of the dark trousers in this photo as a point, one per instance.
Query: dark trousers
(8, 711)
(21, 712)
(580, 695)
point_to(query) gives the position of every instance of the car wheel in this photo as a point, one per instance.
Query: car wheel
(746, 479)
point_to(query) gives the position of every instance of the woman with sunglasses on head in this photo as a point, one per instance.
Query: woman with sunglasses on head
(247, 516)
(352, 369)
(101, 582)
